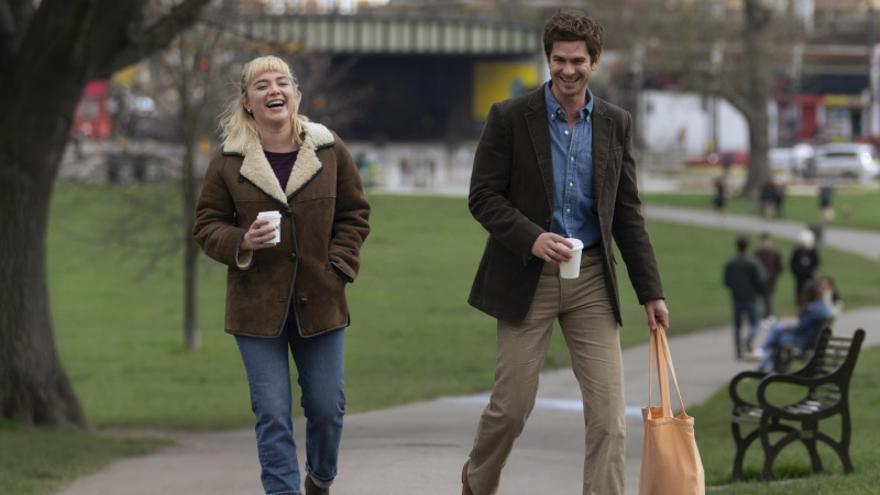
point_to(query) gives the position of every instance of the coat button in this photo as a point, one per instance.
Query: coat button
(303, 299)
(293, 256)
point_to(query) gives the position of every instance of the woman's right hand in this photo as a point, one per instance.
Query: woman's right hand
(259, 236)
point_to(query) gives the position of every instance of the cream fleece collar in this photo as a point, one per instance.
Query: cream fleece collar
(256, 168)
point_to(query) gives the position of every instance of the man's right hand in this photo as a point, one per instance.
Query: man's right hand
(552, 248)
(259, 236)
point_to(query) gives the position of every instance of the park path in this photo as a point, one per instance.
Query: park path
(418, 449)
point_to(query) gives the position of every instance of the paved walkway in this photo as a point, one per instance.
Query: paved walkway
(418, 449)
(859, 242)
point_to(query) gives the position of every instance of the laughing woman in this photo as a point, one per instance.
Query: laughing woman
(288, 293)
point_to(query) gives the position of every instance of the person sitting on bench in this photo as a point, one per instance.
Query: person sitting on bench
(816, 312)
(831, 295)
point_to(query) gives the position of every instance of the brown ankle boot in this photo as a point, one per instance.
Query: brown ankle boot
(465, 485)
(313, 489)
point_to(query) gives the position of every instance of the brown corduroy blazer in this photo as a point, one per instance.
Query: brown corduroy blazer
(511, 195)
(323, 225)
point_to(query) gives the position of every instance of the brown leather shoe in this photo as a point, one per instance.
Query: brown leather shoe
(465, 486)
(313, 489)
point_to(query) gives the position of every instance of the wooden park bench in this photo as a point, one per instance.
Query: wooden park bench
(825, 380)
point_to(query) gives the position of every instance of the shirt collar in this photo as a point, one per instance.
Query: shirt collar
(554, 109)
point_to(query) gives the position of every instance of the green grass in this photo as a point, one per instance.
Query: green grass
(41, 460)
(413, 335)
(856, 208)
(118, 318)
(793, 465)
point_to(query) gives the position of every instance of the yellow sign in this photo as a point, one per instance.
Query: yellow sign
(496, 81)
(842, 101)
(125, 77)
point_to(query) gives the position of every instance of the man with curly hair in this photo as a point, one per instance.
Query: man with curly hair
(553, 165)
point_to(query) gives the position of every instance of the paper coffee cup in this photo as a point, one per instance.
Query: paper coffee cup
(572, 267)
(274, 218)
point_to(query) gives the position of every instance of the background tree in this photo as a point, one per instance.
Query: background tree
(733, 53)
(50, 50)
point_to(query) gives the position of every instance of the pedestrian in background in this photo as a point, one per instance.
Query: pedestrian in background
(286, 283)
(804, 263)
(745, 278)
(771, 259)
(719, 194)
(779, 192)
(726, 163)
(585, 189)
(767, 198)
(826, 211)
(772, 197)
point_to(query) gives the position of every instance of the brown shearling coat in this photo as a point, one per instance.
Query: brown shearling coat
(511, 196)
(323, 225)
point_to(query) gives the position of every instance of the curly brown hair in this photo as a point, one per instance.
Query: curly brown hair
(574, 25)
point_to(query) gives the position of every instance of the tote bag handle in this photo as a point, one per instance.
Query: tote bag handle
(660, 356)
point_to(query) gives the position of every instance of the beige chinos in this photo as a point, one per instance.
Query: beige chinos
(586, 317)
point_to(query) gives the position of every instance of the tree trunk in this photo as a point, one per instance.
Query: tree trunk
(188, 122)
(191, 336)
(757, 93)
(759, 143)
(57, 50)
(34, 389)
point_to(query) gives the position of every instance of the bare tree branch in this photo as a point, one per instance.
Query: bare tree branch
(154, 37)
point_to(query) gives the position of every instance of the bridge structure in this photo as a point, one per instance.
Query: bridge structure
(423, 76)
(388, 34)
(451, 57)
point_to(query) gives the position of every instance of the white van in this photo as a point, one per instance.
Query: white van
(850, 160)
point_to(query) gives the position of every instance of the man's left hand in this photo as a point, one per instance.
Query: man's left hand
(657, 314)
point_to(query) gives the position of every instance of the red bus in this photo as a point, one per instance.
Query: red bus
(92, 117)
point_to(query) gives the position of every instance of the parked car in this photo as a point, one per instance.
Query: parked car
(849, 160)
(795, 160)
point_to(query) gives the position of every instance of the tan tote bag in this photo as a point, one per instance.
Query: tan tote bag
(671, 463)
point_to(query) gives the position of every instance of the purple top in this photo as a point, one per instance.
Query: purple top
(282, 165)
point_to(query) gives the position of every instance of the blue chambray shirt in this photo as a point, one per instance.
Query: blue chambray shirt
(572, 152)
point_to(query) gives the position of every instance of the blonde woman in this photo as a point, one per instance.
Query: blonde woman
(288, 294)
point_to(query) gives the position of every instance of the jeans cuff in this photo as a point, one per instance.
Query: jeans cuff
(320, 483)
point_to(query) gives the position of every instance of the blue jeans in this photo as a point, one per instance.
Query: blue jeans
(749, 309)
(780, 335)
(319, 364)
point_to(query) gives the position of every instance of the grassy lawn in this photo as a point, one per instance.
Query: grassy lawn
(118, 329)
(117, 317)
(34, 461)
(793, 464)
(854, 208)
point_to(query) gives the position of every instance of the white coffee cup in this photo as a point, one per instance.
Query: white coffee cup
(274, 218)
(572, 267)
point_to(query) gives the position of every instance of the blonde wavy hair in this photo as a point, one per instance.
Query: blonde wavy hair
(237, 126)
